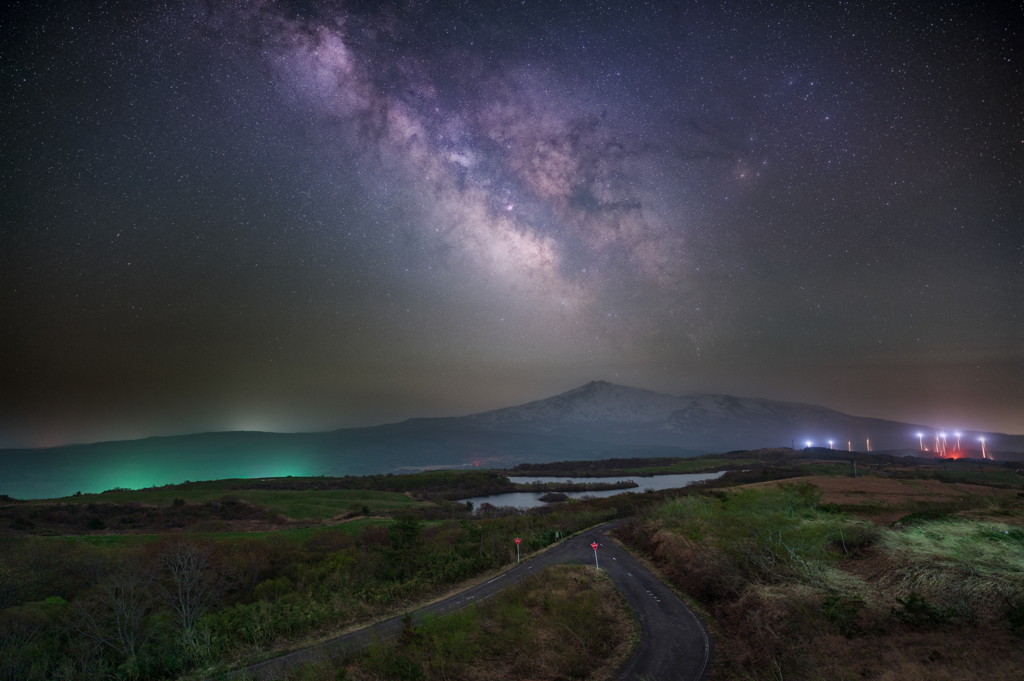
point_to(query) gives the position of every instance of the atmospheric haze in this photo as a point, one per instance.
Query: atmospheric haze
(299, 216)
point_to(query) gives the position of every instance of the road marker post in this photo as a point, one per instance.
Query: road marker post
(517, 549)
(594, 546)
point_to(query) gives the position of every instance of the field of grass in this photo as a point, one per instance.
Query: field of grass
(566, 623)
(296, 504)
(804, 591)
(834, 468)
(692, 466)
(1002, 477)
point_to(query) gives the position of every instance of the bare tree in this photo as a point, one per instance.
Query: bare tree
(190, 587)
(117, 615)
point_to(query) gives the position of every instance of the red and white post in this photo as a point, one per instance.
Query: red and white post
(517, 549)
(594, 546)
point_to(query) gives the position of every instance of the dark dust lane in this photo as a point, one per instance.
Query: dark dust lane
(674, 644)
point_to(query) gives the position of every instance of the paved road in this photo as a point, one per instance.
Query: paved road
(674, 646)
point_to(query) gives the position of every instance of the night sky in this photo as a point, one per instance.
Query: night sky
(303, 215)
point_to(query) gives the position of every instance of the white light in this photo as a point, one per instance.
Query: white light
(808, 443)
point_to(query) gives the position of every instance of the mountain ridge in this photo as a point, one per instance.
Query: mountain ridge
(598, 420)
(705, 421)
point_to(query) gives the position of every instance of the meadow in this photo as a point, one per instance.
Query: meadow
(568, 622)
(296, 505)
(800, 570)
(191, 605)
(798, 588)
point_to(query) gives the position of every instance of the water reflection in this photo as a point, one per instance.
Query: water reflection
(532, 499)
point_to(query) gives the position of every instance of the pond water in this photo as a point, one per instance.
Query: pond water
(532, 499)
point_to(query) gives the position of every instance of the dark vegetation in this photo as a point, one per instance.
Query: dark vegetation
(796, 588)
(788, 463)
(538, 486)
(593, 469)
(50, 519)
(430, 485)
(565, 623)
(799, 589)
(183, 603)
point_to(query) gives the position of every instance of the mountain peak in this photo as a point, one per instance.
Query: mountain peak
(596, 401)
(606, 412)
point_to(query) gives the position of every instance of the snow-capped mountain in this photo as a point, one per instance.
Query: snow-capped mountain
(597, 401)
(606, 412)
(596, 421)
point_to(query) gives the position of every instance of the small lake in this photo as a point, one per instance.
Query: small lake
(532, 499)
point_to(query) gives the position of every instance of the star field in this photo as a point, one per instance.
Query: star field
(307, 215)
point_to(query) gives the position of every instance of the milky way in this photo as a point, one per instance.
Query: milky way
(309, 215)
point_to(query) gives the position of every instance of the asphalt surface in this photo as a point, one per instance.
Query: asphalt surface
(674, 645)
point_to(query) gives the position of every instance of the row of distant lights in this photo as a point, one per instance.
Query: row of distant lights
(831, 444)
(920, 439)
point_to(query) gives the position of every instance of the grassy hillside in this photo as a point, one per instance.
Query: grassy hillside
(805, 570)
(924, 582)
(191, 605)
(568, 622)
(297, 505)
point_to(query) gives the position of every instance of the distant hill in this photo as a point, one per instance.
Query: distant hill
(599, 420)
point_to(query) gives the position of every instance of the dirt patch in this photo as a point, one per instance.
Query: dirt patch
(890, 492)
(907, 655)
(870, 565)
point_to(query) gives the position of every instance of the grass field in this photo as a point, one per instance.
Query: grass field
(299, 505)
(565, 623)
(691, 466)
(1004, 477)
(802, 590)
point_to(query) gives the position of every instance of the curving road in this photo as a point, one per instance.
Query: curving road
(674, 645)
